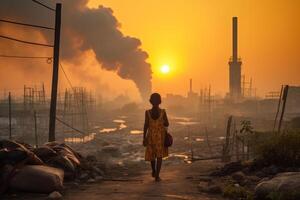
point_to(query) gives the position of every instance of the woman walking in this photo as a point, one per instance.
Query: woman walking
(156, 122)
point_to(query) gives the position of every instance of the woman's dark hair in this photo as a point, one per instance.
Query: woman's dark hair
(155, 99)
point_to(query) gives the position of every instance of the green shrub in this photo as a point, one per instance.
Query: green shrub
(233, 192)
(279, 149)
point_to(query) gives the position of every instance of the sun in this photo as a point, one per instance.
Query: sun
(165, 69)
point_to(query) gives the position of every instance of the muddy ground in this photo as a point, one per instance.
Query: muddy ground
(117, 145)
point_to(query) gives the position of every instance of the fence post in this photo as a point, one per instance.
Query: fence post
(9, 115)
(35, 129)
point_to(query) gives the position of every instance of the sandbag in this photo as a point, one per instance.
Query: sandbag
(13, 156)
(17, 152)
(10, 144)
(38, 179)
(61, 162)
(44, 153)
(66, 152)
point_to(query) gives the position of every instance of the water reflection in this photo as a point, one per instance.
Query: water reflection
(185, 123)
(119, 121)
(136, 132)
(199, 139)
(107, 130)
(84, 139)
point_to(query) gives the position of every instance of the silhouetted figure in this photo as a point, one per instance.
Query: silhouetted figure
(156, 122)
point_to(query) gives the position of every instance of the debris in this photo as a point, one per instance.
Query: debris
(55, 195)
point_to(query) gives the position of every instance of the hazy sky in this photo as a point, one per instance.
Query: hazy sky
(194, 38)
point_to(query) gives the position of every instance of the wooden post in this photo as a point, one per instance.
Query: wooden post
(35, 129)
(9, 115)
(278, 108)
(226, 147)
(237, 147)
(284, 98)
(52, 117)
(207, 140)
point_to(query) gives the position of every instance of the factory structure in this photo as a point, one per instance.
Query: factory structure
(235, 63)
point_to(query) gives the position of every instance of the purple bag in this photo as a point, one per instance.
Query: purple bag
(168, 140)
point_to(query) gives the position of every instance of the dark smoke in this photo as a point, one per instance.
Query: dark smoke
(84, 29)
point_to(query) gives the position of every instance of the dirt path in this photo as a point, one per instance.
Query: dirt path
(179, 182)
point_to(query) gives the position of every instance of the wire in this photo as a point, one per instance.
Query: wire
(12, 56)
(35, 1)
(64, 123)
(66, 76)
(26, 42)
(25, 24)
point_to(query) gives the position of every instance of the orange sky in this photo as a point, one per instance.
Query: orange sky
(194, 38)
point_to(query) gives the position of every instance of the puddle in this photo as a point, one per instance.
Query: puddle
(119, 121)
(107, 130)
(183, 157)
(186, 119)
(122, 126)
(136, 132)
(84, 139)
(199, 139)
(185, 123)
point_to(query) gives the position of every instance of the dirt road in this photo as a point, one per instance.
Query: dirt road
(179, 182)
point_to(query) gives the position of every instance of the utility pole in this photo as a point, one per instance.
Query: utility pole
(9, 114)
(52, 118)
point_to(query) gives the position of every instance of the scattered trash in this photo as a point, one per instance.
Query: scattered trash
(55, 195)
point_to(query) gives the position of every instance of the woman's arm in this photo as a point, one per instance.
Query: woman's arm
(166, 121)
(146, 125)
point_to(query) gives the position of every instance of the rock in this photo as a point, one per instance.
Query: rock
(84, 176)
(229, 169)
(214, 189)
(98, 170)
(285, 185)
(91, 158)
(99, 178)
(55, 195)
(91, 180)
(238, 176)
(272, 170)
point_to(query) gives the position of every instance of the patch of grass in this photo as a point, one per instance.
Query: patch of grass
(238, 193)
(280, 149)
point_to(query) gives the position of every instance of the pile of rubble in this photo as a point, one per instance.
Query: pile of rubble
(43, 169)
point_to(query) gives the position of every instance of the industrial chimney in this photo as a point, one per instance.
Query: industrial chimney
(235, 64)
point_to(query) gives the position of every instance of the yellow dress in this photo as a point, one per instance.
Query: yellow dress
(155, 138)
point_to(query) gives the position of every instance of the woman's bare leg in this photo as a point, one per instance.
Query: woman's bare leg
(158, 167)
(153, 167)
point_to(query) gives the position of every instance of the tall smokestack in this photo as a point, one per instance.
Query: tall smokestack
(191, 85)
(235, 64)
(234, 38)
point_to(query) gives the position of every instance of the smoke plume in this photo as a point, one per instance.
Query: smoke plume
(86, 29)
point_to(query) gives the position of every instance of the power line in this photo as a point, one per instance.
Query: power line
(64, 123)
(66, 77)
(35, 1)
(26, 42)
(25, 24)
(30, 57)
